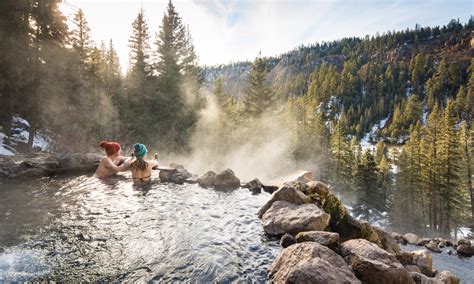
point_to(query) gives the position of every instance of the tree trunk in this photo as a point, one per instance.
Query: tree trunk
(31, 136)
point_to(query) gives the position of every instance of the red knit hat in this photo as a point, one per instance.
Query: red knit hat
(111, 148)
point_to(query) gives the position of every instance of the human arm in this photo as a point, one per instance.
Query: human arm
(109, 164)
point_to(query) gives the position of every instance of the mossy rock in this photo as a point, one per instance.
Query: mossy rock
(333, 206)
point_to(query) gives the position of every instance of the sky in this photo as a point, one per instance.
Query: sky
(226, 31)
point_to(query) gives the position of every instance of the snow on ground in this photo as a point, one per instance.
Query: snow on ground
(20, 134)
(5, 150)
(369, 136)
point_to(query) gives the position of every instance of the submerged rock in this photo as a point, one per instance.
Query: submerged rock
(285, 193)
(310, 262)
(372, 264)
(285, 217)
(207, 179)
(226, 180)
(328, 239)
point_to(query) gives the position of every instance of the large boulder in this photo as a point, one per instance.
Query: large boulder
(285, 217)
(79, 159)
(316, 187)
(310, 262)
(422, 258)
(419, 278)
(399, 238)
(167, 173)
(285, 193)
(465, 250)
(372, 264)
(207, 179)
(296, 178)
(226, 180)
(388, 242)
(412, 239)
(328, 239)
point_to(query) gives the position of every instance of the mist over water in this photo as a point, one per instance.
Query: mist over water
(258, 147)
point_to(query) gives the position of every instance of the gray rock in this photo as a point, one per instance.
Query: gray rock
(310, 262)
(207, 180)
(447, 277)
(412, 268)
(372, 264)
(412, 238)
(166, 174)
(316, 187)
(465, 250)
(287, 240)
(79, 159)
(388, 243)
(285, 193)
(192, 180)
(328, 239)
(419, 278)
(226, 180)
(422, 258)
(464, 242)
(399, 238)
(284, 217)
(432, 246)
(255, 185)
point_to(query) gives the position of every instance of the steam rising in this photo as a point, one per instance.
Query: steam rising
(251, 148)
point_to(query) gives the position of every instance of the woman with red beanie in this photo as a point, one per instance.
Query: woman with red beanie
(113, 162)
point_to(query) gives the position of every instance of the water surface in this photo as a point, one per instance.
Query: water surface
(80, 228)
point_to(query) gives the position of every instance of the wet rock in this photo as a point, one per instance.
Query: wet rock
(328, 239)
(297, 177)
(33, 172)
(255, 185)
(412, 268)
(192, 180)
(422, 258)
(350, 228)
(79, 159)
(207, 180)
(166, 174)
(419, 278)
(388, 243)
(285, 217)
(447, 277)
(372, 264)
(399, 238)
(464, 242)
(423, 241)
(285, 193)
(287, 240)
(310, 262)
(226, 180)
(465, 250)
(432, 246)
(412, 238)
(316, 187)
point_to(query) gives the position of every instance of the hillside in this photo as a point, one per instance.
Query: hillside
(383, 69)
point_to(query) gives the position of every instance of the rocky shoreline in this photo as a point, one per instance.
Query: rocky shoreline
(321, 241)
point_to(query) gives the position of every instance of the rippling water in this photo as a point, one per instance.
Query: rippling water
(80, 228)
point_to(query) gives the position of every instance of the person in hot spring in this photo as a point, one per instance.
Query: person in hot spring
(141, 167)
(114, 162)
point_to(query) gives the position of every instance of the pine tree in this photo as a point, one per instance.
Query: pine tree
(341, 156)
(450, 158)
(80, 37)
(139, 44)
(467, 150)
(259, 97)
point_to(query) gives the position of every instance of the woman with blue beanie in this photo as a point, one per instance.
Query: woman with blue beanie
(141, 168)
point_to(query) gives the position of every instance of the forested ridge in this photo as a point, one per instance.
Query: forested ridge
(410, 93)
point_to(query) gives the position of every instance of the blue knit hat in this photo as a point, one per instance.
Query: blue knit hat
(139, 150)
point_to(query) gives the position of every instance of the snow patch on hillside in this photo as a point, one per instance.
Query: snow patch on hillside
(366, 141)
